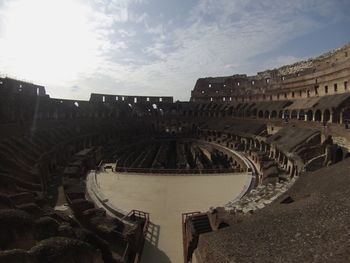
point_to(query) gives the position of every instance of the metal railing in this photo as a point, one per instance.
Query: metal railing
(167, 171)
(176, 171)
(137, 214)
(184, 217)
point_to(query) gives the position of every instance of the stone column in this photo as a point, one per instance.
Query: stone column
(341, 117)
(330, 117)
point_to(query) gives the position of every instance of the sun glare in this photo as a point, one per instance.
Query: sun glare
(51, 41)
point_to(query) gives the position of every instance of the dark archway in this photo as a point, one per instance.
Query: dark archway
(338, 155)
(267, 114)
(294, 114)
(286, 114)
(346, 116)
(273, 114)
(318, 115)
(326, 115)
(309, 115)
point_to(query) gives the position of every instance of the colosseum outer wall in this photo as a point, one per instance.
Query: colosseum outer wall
(324, 75)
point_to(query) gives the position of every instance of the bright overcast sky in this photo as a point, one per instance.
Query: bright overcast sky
(159, 47)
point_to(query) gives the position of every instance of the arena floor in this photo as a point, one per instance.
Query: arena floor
(166, 198)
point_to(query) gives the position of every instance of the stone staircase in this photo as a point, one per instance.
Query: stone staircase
(193, 225)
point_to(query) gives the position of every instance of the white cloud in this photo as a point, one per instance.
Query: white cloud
(52, 41)
(125, 33)
(205, 48)
(104, 46)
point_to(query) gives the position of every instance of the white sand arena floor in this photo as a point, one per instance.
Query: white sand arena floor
(166, 198)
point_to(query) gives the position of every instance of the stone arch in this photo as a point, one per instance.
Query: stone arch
(261, 114)
(309, 115)
(346, 115)
(273, 114)
(266, 114)
(294, 114)
(335, 116)
(318, 115)
(286, 114)
(326, 115)
(301, 115)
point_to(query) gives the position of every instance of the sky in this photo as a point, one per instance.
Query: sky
(159, 47)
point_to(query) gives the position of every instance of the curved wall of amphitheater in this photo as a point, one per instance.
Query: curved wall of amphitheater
(325, 75)
(285, 129)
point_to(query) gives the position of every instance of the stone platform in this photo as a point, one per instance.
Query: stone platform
(166, 197)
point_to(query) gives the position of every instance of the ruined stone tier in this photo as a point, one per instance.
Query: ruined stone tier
(14, 86)
(325, 75)
(129, 99)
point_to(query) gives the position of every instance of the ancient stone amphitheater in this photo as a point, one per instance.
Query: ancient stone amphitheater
(251, 169)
